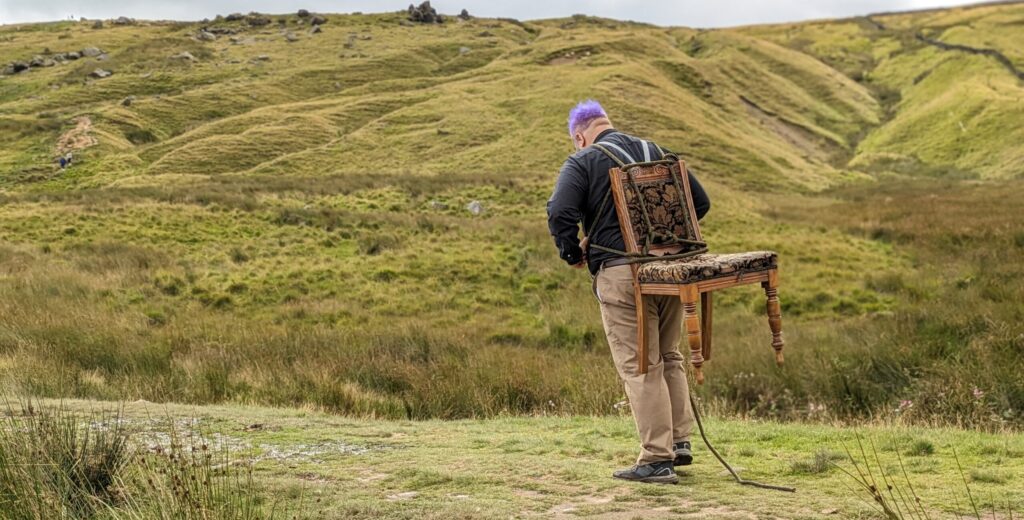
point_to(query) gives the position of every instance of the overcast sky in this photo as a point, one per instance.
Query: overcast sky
(691, 13)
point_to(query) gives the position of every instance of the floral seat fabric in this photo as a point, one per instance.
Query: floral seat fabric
(705, 267)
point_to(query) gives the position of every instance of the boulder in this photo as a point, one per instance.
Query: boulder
(91, 52)
(303, 13)
(318, 20)
(424, 13)
(100, 73)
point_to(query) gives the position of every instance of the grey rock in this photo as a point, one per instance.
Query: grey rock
(128, 101)
(91, 52)
(100, 73)
(424, 13)
(475, 207)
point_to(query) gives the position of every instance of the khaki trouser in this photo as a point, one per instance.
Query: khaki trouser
(660, 399)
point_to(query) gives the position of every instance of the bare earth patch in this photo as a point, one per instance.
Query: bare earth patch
(77, 138)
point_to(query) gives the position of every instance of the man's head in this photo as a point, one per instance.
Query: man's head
(586, 121)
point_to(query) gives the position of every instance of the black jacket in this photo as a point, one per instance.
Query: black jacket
(581, 186)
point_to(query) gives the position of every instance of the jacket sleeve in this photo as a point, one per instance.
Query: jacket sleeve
(701, 202)
(565, 211)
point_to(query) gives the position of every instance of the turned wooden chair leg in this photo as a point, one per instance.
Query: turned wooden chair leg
(641, 326)
(774, 314)
(705, 325)
(689, 296)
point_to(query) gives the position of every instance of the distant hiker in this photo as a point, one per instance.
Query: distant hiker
(660, 398)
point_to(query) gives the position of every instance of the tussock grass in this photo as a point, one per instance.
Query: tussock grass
(55, 462)
(292, 231)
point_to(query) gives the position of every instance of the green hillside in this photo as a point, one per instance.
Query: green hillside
(280, 216)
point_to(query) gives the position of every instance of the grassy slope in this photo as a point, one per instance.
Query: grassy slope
(950, 110)
(559, 467)
(249, 229)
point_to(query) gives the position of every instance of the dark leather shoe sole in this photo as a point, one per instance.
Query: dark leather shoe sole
(667, 479)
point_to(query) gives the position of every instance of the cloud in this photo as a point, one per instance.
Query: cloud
(690, 13)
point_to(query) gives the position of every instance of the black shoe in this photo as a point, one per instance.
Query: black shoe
(655, 472)
(684, 457)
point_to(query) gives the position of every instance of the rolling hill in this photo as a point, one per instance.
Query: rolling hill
(260, 211)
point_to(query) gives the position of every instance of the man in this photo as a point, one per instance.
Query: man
(660, 399)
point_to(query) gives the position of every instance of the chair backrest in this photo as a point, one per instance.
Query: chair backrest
(655, 208)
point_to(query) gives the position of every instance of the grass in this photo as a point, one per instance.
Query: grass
(559, 466)
(292, 231)
(58, 462)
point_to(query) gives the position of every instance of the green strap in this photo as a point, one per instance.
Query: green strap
(608, 195)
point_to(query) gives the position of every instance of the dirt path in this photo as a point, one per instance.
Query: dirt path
(76, 138)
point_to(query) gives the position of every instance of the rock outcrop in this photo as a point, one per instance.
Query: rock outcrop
(424, 14)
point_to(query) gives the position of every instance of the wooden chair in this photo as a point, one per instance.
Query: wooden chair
(657, 217)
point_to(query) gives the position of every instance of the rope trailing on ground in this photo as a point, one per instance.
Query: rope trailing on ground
(700, 426)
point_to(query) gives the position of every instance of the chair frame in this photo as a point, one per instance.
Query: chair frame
(697, 328)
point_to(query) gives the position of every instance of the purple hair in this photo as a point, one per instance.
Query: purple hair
(583, 113)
